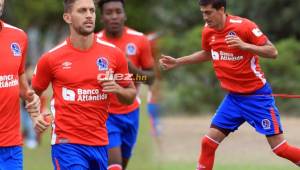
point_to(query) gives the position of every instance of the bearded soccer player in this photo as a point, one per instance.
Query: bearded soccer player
(13, 85)
(81, 94)
(234, 45)
(123, 121)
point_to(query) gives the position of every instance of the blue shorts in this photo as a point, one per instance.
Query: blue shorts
(79, 157)
(257, 108)
(122, 131)
(11, 158)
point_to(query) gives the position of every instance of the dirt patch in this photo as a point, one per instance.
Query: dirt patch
(180, 141)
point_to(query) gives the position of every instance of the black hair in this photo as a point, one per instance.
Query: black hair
(102, 2)
(217, 4)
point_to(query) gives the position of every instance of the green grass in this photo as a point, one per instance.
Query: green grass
(146, 155)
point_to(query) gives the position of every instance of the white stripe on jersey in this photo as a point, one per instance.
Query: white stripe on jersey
(258, 74)
(105, 43)
(52, 109)
(58, 46)
(132, 32)
(10, 26)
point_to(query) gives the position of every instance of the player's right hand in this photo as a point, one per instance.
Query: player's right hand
(167, 62)
(41, 122)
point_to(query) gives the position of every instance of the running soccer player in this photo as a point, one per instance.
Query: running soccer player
(233, 44)
(13, 84)
(82, 70)
(123, 121)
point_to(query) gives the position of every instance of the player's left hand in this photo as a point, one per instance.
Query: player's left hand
(33, 103)
(234, 41)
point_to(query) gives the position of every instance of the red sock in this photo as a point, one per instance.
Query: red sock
(207, 157)
(286, 151)
(114, 167)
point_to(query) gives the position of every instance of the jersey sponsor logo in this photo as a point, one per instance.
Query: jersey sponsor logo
(266, 124)
(257, 32)
(7, 81)
(68, 95)
(83, 95)
(225, 56)
(66, 65)
(15, 49)
(130, 49)
(102, 64)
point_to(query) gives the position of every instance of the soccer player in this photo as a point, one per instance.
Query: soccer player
(123, 121)
(81, 70)
(13, 85)
(233, 44)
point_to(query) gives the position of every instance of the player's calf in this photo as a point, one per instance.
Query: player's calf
(287, 151)
(207, 157)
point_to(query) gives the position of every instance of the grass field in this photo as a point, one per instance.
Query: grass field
(177, 148)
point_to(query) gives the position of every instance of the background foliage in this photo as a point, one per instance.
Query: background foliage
(192, 88)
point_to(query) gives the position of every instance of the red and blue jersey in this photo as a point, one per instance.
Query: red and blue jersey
(138, 51)
(79, 106)
(237, 70)
(12, 60)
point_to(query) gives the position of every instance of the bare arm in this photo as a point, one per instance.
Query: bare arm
(149, 73)
(28, 95)
(168, 62)
(127, 95)
(267, 51)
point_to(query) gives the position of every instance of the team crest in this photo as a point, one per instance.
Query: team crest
(130, 49)
(266, 124)
(15, 49)
(232, 33)
(102, 64)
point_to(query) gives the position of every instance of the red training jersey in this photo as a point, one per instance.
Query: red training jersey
(79, 105)
(12, 53)
(138, 51)
(237, 70)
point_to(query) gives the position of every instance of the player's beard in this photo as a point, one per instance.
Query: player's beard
(84, 32)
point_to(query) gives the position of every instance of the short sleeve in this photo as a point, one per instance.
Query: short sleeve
(24, 54)
(254, 34)
(42, 74)
(205, 41)
(146, 58)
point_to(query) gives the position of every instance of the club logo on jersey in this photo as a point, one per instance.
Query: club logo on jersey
(102, 64)
(232, 33)
(257, 32)
(266, 124)
(130, 49)
(15, 49)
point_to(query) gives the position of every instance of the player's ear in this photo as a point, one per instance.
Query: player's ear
(67, 18)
